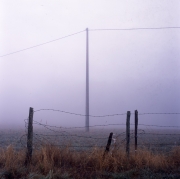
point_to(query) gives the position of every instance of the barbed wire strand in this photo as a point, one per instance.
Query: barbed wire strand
(173, 113)
(47, 127)
(108, 115)
(78, 127)
(149, 133)
(89, 137)
(78, 114)
(149, 125)
(105, 125)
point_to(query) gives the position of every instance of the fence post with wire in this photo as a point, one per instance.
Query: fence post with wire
(128, 132)
(29, 137)
(108, 144)
(136, 127)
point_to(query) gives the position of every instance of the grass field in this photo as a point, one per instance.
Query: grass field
(76, 154)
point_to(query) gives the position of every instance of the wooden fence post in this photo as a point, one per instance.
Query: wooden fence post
(108, 144)
(136, 126)
(128, 132)
(29, 137)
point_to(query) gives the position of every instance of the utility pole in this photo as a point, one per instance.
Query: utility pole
(87, 81)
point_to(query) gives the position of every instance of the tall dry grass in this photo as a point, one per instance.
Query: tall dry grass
(63, 162)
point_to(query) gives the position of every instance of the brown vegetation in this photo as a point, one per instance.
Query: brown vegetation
(54, 162)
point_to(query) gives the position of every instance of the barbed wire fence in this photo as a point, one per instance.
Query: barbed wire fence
(131, 137)
(153, 137)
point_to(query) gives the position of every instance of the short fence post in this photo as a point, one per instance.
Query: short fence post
(128, 132)
(136, 126)
(108, 144)
(29, 137)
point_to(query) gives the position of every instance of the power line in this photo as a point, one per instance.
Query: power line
(138, 28)
(120, 29)
(42, 43)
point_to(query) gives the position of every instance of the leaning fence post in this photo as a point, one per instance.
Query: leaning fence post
(128, 132)
(108, 144)
(29, 137)
(136, 126)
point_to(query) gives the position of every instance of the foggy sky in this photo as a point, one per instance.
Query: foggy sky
(129, 70)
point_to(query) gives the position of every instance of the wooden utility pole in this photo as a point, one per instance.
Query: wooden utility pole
(136, 126)
(29, 137)
(128, 132)
(87, 81)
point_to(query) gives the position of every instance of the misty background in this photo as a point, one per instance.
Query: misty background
(128, 70)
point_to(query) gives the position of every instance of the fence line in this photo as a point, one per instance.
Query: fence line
(62, 136)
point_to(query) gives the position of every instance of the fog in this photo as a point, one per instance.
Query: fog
(128, 70)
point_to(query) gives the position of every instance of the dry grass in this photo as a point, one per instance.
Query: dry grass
(54, 162)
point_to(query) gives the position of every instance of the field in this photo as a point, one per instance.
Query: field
(73, 153)
(161, 140)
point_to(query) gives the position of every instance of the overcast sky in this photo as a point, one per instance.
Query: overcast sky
(129, 70)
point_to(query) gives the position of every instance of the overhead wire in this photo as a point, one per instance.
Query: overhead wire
(42, 43)
(118, 29)
(138, 28)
